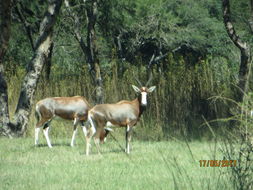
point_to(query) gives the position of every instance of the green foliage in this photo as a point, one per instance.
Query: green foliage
(205, 65)
(241, 13)
(176, 23)
(176, 108)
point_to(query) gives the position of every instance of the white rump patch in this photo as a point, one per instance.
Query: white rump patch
(109, 124)
(108, 129)
(93, 128)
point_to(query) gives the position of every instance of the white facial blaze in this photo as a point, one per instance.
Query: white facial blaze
(144, 98)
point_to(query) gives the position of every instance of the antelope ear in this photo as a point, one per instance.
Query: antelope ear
(152, 88)
(136, 89)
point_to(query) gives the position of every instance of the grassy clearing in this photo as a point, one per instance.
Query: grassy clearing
(151, 165)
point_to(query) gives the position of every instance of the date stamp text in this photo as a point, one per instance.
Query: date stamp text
(217, 163)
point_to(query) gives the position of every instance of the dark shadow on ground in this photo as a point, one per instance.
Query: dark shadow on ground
(56, 144)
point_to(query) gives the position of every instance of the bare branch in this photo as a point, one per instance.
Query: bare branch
(229, 26)
(150, 79)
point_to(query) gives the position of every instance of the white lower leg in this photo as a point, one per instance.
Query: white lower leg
(88, 138)
(84, 131)
(87, 146)
(128, 148)
(45, 131)
(96, 141)
(73, 137)
(37, 130)
(128, 138)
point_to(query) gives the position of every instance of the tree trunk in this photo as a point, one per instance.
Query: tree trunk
(251, 16)
(120, 54)
(42, 49)
(19, 10)
(48, 62)
(5, 11)
(244, 72)
(92, 51)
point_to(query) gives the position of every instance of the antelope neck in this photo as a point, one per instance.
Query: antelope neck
(140, 106)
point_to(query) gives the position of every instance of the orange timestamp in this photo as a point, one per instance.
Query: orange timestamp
(217, 163)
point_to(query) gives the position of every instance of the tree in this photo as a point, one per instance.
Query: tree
(5, 35)
(251, 18)
(244, 70)
(20, 9)
(28, 88)
(92, 50)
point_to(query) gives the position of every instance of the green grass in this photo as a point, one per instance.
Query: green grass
(151, 165)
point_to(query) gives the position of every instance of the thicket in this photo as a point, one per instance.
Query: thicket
(179, 106)
(199, 63)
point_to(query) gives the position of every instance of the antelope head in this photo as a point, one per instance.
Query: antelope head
(143, 91)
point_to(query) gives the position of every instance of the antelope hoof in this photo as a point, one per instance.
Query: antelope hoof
(127, 151)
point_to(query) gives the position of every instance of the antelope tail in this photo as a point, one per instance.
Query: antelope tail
(90, 121)
(37, 113)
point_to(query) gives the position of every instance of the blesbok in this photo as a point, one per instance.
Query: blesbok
(68, 108)
(124, 114)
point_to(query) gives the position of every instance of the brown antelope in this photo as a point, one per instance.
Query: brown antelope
(124, 114)
(69, 108)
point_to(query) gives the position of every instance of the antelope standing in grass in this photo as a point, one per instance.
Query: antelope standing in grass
(124, 114)
(68, 108)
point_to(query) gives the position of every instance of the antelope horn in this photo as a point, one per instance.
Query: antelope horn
(138, 81)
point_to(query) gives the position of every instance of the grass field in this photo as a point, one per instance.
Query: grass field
(151, 165)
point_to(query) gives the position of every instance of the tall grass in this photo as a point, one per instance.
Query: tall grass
(176, 108)
(239, 144)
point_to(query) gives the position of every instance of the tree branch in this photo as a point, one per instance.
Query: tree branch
(229, 26)
(251, 16)
(77, 29)
(26, 25)
(244, 71)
